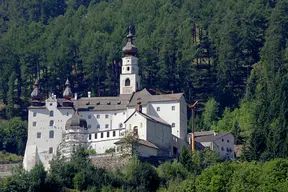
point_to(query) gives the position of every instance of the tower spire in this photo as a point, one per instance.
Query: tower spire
(129, 78)
(67, 94)
(130, 49)
(36, 95)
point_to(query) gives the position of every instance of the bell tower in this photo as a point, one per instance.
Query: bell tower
(129, 78)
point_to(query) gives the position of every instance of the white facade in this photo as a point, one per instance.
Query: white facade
(105, 117)
(221, 143)
(129, 79)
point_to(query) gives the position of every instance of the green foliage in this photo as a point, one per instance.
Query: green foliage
(9, 157)
(13, 135)
(210, 114)
(141, 176)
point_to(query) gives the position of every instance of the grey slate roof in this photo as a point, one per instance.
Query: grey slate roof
(203, 133)
(146, 97)
(210, 138)
(140, 141)
(120, 102)
(103, 103)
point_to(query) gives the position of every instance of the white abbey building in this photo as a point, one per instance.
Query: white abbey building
(159, 121)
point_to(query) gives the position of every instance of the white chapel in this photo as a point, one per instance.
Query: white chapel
(61, 124)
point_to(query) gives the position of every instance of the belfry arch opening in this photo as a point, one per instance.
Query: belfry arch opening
(127, 82)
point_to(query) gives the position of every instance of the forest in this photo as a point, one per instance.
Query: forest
(231, 56)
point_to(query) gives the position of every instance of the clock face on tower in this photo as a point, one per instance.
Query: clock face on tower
(127, 90)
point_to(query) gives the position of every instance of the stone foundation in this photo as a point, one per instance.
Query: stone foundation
(8, 167)
(110, 161)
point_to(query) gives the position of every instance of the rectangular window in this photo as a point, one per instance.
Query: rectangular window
(227, 141)
(34, 124)
(102, 135)
(34, 114)
(108, 134)
(98, 116)
(173, 124)
(114, 133)
(106, 116)
(158, 108)
(95, 136)
(107, 126)
(89, 126)
(38, 135)
(173, 108)
(98, 126)
(51, 113)
(89, 136)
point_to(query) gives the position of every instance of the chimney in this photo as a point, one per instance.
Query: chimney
(89, 94)
(139, 106)
(75, 96)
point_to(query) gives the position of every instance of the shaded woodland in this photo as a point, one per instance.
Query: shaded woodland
(230, 55)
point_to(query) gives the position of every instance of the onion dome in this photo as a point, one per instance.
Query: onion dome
(36, 95)
(67, 94)
(76, 122)
(129, 48)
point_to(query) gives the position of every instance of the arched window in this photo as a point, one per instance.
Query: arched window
(51, 113)
(50, 150)
(127, 82)
(51, 134)
(135, 131)
(51, 123)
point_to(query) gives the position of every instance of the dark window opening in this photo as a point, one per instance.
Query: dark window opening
(127, 82)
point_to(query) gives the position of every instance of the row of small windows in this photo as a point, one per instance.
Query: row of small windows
(51, 134)
(51, 123)
(172, 108)
(227, 149)
(51, 114)
(102, 135)
(227, 140)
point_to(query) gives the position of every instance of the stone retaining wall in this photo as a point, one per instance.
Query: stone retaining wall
(8, 167)
(110, 161)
